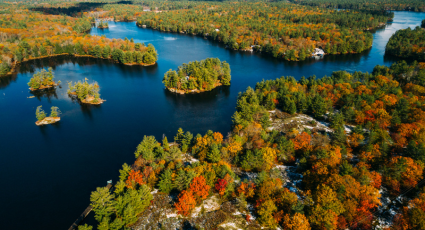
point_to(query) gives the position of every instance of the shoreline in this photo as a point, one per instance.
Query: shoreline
(47, 121)
(192, 91)
(252, 50)
(15, 64)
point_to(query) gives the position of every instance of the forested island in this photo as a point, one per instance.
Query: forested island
(407, 43)
(103, 25)
(43, 120)
(198, 76)
(42, 80)
(282, 30)
(370, 150)
(28, 35)
(85, 92)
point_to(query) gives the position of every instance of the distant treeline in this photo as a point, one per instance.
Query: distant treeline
(280, 29)
(409, 5)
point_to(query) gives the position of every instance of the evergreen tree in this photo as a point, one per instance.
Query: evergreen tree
(102, 203)
(182, 181)
(214, 154)
(165, 184)
(39, 113)
(146, 148)
(55, 112)
(289, 105)
(124, 172)
(165, 144)
(318, 106)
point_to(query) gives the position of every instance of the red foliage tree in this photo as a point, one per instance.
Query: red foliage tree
(220, 186)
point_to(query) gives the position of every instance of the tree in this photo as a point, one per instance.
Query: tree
(134, 178)
(102, 203)
(214, 154)
(296, 222)
(85, 227)
(165, 184)
(220, 186)
(148, 58)
(265, 212)
(165, 144)
(288, 105)
(183, 179)
(40, 114)
(186, 203)
(55, 112)
(199, 188)
(146, 148)
(318, 106)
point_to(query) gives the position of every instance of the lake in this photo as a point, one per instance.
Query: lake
(49, 172)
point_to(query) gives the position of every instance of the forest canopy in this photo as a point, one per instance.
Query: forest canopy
(373, 146)
(27, 35)
(282, 30)
(407, 43)
(408, 5)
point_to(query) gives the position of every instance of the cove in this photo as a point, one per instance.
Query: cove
(48, 173)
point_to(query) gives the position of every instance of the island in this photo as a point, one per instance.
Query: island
(103, 25)
(198, 76)
(43, 120)
(85, 92)
(42, 80)
(407, 43)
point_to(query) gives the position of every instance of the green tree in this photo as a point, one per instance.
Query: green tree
(165, 184)
(85, 227)
(214, 154)
(318, 106)
(165, 144)
(102, 203)
(55, 112)
(146, 148)
(39, 113)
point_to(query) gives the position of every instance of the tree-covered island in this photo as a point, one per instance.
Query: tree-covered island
(103, 25)
(198, 76)
(42, 80)
(42, 118)
(85, 92)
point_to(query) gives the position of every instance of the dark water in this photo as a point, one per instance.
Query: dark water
(47, 173)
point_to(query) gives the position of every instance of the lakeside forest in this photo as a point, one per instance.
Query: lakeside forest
(343, 151)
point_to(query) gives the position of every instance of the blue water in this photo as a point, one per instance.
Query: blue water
(47, 173)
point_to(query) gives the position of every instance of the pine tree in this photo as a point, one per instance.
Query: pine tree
(182, 181)
(165, 184)
(165, 144)
(146, 147)
(318, 106)
(214, 154)
(55, 112)
(39, 113)
(179, 137)
(102, 203)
